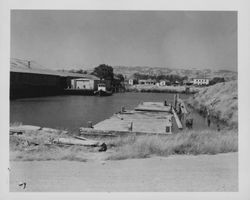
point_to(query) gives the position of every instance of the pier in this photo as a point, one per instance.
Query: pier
(147, 118)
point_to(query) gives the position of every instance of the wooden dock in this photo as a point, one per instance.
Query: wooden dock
(139, 121)
(147, 117)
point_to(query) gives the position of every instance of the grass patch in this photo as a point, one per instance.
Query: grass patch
(222, 101)
(186, 142)
(46, 153)
(33, 146)
(15, 124)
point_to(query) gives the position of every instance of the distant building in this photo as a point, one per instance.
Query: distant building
(147, 82)
(131, 81)
(29, 79)
(200, 81)
(164, 82)
(85, 83)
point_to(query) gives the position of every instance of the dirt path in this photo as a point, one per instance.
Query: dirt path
(176, 173)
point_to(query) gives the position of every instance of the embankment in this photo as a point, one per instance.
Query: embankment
(221, 100)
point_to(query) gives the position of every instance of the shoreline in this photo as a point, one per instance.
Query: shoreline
(163, 89)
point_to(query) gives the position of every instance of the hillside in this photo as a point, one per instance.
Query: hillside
(128, 71)
(222, 99)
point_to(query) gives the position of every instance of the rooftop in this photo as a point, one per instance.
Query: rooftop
(21, 66)
(200, 78)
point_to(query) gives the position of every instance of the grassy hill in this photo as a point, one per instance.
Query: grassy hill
(128, 71)
(222, 99)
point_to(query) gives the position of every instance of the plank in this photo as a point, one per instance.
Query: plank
(73, 141)
(178, 122)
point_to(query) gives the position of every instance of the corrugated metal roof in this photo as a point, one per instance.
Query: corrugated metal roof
(21, 66)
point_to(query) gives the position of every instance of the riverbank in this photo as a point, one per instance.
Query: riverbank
(221, 100)
(204, 173)
(163, 89)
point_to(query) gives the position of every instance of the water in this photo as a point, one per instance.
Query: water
(72, 112)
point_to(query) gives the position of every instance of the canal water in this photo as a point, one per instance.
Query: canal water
(72, 112)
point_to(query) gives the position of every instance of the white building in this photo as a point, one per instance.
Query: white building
(131, 81)
(200, 81)
(84, 83)
(101, 87)
(162, 83)
(147, 82)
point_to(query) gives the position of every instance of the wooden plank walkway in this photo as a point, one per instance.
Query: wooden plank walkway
(178, 122)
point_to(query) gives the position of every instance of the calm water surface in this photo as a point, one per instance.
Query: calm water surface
(72, 112)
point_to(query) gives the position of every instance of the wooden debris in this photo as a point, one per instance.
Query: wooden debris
(74, 141)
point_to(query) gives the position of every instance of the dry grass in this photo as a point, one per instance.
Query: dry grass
(190, 142)
(16, 124)
(33, 146)
(49, 152)
(221, 99)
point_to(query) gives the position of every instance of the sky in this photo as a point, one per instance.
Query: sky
(84, 39)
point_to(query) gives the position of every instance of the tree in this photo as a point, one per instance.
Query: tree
(216, 80)
(80, 71)
(104, 72)
(120, 77)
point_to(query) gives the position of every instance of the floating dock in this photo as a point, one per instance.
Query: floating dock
(146, 118)
(139, 121)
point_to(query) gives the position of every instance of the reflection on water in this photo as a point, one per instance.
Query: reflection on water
(71, 112)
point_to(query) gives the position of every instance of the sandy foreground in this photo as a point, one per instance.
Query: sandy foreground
(163, 174)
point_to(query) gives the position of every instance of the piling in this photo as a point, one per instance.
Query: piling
(131, 126)
(123, 109)
(28, 64)
(90, 124)
(174, 101)
(168, 129)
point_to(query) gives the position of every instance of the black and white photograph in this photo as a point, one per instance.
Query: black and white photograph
(123, 100)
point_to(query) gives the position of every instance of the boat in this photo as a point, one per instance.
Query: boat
(102, 91)
(73, 91)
